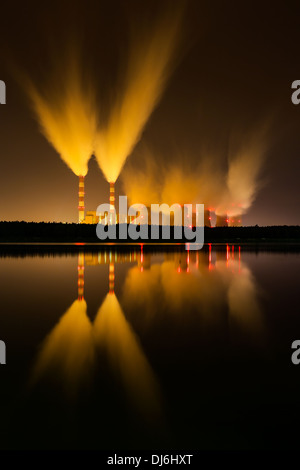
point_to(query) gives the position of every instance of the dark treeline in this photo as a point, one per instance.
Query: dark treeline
(43, 232)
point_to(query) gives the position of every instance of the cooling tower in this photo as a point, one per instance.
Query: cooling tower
(207, 218)
(81, 199)
(235, 221)
(222, 221)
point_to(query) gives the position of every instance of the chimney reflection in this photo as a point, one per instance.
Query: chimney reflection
(67, 355)
(184, 284)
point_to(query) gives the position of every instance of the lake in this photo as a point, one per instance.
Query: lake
(149, 348)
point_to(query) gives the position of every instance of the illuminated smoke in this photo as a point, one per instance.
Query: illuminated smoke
(245, 311)
(67, 354)
(176, 183)
(148, 67)
(64, 107)
(185, 280)
(245, 164)
(113, 333)
(143, 186)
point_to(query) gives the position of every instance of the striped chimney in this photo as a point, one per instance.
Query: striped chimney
(112, 194)
(81, 199)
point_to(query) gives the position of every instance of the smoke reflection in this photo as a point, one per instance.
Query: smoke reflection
(113, 333)
(67, 354)
(148, 64)
(215, 286)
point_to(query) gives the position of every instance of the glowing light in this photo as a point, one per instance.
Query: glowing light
(145, 78)
(65, 111)
(127, 359)
(67, 354)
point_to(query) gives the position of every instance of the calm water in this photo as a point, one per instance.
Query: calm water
(118, 350)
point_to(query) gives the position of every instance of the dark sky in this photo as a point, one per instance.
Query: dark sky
(234, 69)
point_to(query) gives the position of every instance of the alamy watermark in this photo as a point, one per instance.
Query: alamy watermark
(186, 222)
(2, 352)
(2, 92)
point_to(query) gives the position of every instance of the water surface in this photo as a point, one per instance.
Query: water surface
(134, 348)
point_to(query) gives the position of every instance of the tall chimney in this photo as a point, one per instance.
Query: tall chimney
(222, 221)
(81, 199)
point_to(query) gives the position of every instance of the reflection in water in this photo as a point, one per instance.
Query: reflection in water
(180, 284)
(67, 354)
(113, 333)
(244, 308)
(202, 282)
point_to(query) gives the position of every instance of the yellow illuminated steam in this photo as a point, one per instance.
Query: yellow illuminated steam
(65, 111)
(145, 78)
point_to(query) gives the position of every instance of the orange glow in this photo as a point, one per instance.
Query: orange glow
(111, 278)
(65, 110)
(67, 354)
(148, 67)
(113, 333)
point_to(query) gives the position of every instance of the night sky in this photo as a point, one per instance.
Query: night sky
(234, 68)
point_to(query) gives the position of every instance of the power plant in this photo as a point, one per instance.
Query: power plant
(91, 217)
(235, 221)
(207, 218)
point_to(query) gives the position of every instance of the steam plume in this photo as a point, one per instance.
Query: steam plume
(148, 68)
(64, 108)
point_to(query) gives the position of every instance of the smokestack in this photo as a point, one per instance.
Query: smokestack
(207, 218)
(80, 275)
(81, 199)
(235, 221)
(111, 197)
(222, 221)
